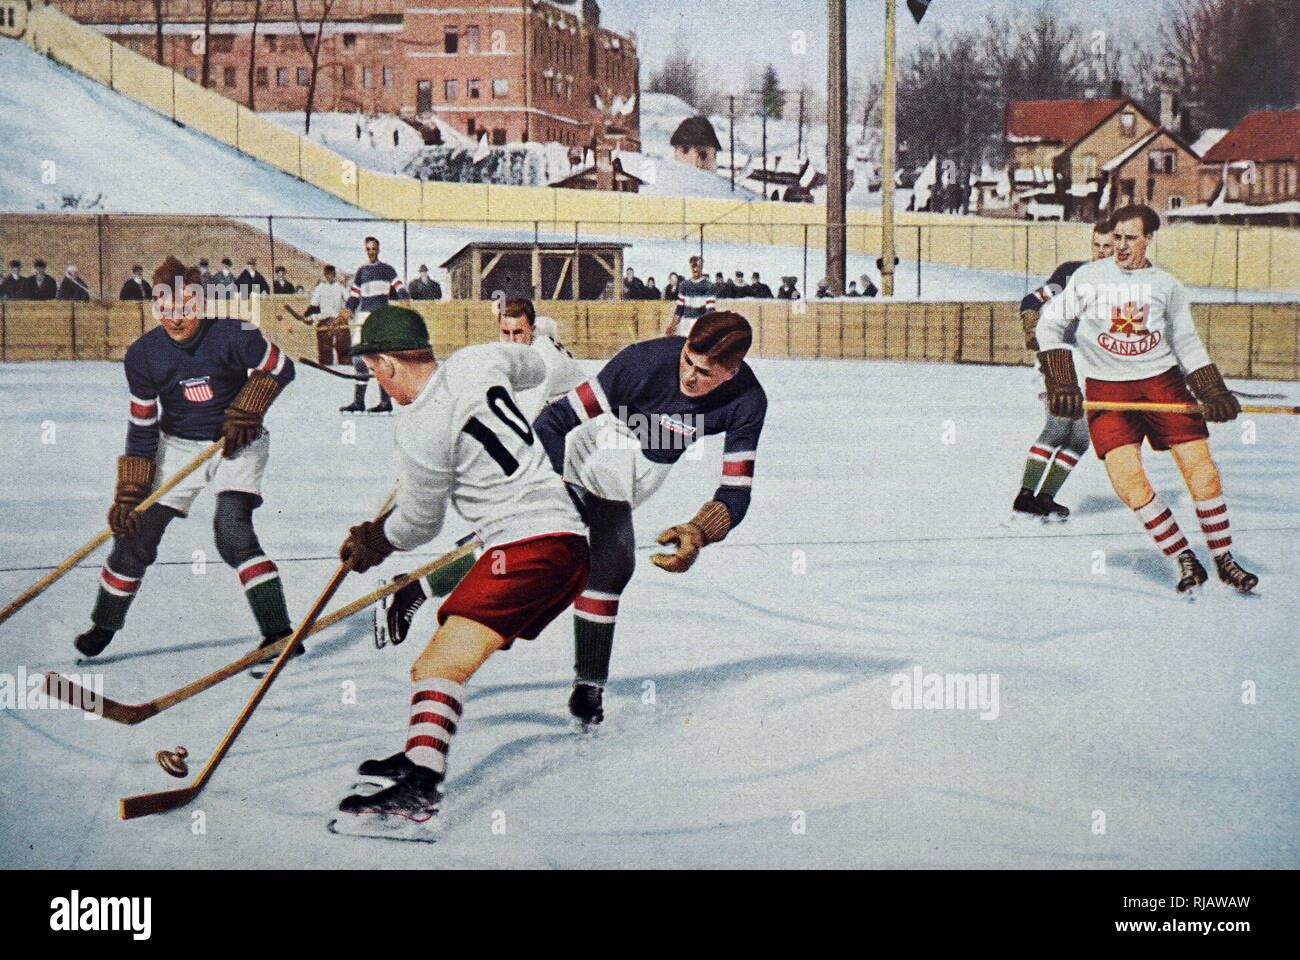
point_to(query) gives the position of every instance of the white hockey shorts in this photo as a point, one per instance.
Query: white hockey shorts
(603, 456)
(242, 472)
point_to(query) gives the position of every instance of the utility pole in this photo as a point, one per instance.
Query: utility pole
(887, 147)
(764, 151)
(799, 153)
(731, 127)
(837, 83)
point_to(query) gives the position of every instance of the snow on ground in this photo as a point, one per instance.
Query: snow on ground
(873, 547)
(183, 171)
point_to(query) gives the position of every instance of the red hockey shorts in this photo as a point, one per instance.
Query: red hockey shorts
(518, 588)
(1117, 428)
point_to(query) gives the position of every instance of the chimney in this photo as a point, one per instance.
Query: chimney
(1168, 119)
(1116, 89)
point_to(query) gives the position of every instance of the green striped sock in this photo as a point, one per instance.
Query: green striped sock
(593, 645)
(1034, 468)
(267, 601)
(110, 610)
(1059, 471)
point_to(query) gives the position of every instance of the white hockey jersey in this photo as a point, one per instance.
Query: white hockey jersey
(464, 440)
(1133, 324)
(563, 373)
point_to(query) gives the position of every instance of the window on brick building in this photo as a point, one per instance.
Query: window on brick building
(450, 40)
(1161, 161)
(302, 76)
(471, 127)
(472, 88)
(1175, 203)
(367, 77)
(229, 73)
(347, 76)
(1127, 121)
(261, 77)
(281, 76)
(349, 41)
(190, 74)
(221, 42)
(498, 137)
(270, 42)
(388, 76)
(500, 88)
(471, 39)
(449, 89)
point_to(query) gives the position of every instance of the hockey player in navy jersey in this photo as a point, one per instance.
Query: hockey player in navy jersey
(615, 437)
(696, 296)
(374, 285)
(192, 380)
(1061, 442)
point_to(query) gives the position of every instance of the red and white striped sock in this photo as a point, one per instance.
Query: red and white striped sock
(1160, 523)
(1213, 515)
(435, 713)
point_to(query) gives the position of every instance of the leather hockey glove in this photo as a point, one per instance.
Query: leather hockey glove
(709, 525)
(1064, 398)
(1217, 402)
(134, 481)
(1029, 323)
(243, 421)
(366, 546)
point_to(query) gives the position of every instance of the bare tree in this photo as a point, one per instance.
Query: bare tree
(680, 76)
(252, 56)
(312, 43)
(209, 8)
(159, 52)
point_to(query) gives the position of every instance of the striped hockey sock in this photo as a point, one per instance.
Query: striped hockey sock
(594, 615)
(1213, 515)
(435, 714)
(260, 579)
(1034, 467)
(1064, 462)
(1160, 523)
(115, 595)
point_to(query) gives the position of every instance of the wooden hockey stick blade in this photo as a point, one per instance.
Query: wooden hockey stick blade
(146, 804)
(333, 373)
(40, 586)
(59, 686)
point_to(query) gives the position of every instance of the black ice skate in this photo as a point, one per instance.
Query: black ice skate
(390, 768)
(93, 641)
(586, 703)
(404, 811)
(258, 670)
(383, 406)
(397, 610)
(1026, 504)
(353, 407)
(1230, 572)
(1051, 509)
(1190, 572)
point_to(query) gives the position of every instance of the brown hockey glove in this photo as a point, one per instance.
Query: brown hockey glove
(1217, 401)
(709, 525)
(1064, 398)
(243, 422)
(134, 481)
(366, 546)
(1029, 322)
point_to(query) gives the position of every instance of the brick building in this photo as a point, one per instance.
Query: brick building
(517, 70)
(1256, 163)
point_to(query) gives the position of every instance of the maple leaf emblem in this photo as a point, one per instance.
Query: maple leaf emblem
(1129, 320)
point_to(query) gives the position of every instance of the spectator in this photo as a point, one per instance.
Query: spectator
(719, 283)
(787, 290)
(280, 285)
(223, 285)
(651, 291)
(424, 287)
(823, 289)
(40, 285)
(71, 287)
(868, 288)
(852, 291)
(333, 338)
(728, 290)
(670, 288)
(250, 280)
(633, 289)
(758, 289)
(204, 273)
(14, 284)
(136, 286)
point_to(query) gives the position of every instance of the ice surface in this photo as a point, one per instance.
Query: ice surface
(873, 546)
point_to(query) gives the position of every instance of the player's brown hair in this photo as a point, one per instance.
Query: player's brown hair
(1137, 211)
(722, 336)
(520, 307)
(1103, 224)
(422, 355)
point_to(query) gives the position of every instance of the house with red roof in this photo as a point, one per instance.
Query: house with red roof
(1256, 163)
(1060, 148)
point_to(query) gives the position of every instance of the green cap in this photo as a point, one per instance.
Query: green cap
(391, 329)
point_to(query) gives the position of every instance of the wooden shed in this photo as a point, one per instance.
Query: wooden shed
(540, 271)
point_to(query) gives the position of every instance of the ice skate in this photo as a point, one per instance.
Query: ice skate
(93, 641)
(1051, 510)
(394, 613)
(1026, 505)
(1190, 573)
(1231, 573)
(404, 811)
(258, 670)
(390, 768)
(586, 703)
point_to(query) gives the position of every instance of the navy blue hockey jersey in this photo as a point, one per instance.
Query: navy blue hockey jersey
(194, 381)
(1035, 299)
(373, 286)
(640, 386)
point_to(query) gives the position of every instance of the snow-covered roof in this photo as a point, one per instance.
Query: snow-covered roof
(1235, 208)
(1137, 145)
(1208, 139)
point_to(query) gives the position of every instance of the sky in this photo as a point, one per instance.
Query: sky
(744, 35)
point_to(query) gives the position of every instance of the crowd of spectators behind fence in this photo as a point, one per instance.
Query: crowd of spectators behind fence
(734, 288)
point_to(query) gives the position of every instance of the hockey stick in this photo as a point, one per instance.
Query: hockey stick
(145, 804)
(333, 373)
(1179, 407)
(56, 685)
(40, 585)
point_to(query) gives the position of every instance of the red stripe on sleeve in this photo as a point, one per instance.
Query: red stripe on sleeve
(738, 468)
(588, 398)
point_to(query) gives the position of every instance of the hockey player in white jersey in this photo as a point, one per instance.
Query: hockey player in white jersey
(461, 439)
(1136, 342)
(517, 322)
